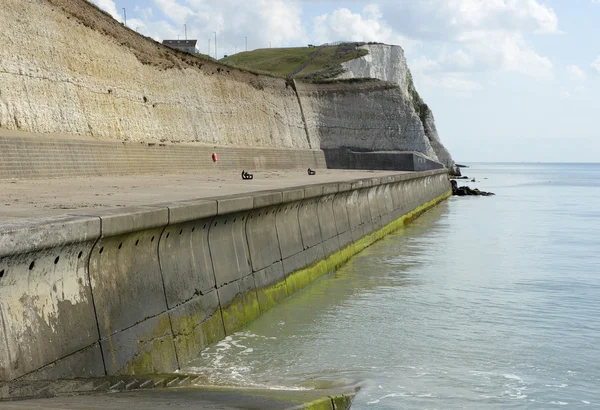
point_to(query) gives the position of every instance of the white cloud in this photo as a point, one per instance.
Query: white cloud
(110, 7)
(177, 12)
(343, 25)
(454, 83)
(430, 73)
(450, 19)
(477, 35)
(596, 63)
(576, 73)
(510, 53)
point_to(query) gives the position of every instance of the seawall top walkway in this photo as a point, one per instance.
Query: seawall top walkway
(24, 199)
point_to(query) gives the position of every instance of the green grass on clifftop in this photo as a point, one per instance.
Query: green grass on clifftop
(276, 61)
(306, 63)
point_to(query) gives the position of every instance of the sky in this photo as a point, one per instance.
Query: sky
(507, 80)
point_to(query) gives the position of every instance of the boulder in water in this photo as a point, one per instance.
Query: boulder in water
(466, 191)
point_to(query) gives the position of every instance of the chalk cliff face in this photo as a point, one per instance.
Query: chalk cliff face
(368, 116)
(68, 68)
(388, 63)
(78, 71)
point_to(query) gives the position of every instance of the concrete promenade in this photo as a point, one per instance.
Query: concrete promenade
(38, 198)
(195, 399)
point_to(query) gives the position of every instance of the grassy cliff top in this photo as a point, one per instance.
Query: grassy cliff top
(307, 63)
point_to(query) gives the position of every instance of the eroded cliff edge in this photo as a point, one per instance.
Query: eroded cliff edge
(82, 73)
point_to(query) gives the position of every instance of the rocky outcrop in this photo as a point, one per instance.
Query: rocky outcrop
(388, 63)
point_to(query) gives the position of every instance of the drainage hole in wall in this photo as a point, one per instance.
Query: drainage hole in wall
(152, 239)
(137, 242)
(193, 229)
(1, 273)
(234, 220)
(167, 235)
(80, 255)
(215, 224)
(31, 265)
(204, 227)
(101, 250)
(225, 222)
(242, 219)
(180, 232)
(120, 245)
(56, 260)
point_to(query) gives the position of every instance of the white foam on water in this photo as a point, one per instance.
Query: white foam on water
(560, 403)
(226, 364)
(585, 402)
(558, 386)
(376, 401)
(512, 377)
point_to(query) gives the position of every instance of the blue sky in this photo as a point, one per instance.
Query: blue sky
(507, 80)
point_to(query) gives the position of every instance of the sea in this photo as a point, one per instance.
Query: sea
(481, 303)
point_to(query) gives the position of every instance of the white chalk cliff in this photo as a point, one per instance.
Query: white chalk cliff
(388, 63)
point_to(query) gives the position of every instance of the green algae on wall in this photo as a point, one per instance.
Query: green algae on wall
(245, 309)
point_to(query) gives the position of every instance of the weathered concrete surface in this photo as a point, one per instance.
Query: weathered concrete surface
(185, 261)
(197, 399)
(46, 307)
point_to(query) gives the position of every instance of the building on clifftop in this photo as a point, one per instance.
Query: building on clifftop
(183, 45)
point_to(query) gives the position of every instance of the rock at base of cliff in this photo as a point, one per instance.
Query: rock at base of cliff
(466, 191)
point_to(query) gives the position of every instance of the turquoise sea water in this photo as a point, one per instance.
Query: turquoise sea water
(481, 303)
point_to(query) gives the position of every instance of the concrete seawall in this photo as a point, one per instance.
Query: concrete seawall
(143, 290)
(43, 157)
(343, 158)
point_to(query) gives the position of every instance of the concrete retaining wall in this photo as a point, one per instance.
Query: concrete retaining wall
(43, 157)
(144, 290)
(344, 158)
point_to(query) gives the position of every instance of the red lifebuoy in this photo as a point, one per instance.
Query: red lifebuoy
(214, 157)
